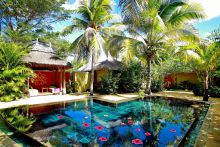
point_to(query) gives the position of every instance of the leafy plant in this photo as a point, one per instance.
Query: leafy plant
(17, 118)
(13, 73)
(132, 77)
(185, 85)
(109, 84)
(214, 91)
(198, 90)
(71, 87)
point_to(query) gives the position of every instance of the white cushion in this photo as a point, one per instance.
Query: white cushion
(33, 92)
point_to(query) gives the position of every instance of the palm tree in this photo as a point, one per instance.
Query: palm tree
(153, 26)
(205, 58)
(94, 15)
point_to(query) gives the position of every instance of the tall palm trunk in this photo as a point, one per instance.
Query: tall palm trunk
(148, 84)
(206, 87)
(92, 75)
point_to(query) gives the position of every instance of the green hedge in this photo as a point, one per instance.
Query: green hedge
(214, 91)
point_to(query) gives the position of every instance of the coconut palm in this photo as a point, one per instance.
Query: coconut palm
(92, 20)
(205, 57)
(153, 26)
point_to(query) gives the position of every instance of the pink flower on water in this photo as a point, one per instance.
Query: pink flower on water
(99, 128)
(123, 124)
(130, 122)
(173, 130)
(137, 141)
(87, 107)
(148, 134)
(138, 130)
(60, 117)
(103, 139)
(85, 124)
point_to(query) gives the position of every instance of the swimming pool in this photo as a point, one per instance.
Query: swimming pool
(150, 122)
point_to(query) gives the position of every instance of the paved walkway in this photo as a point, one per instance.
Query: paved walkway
(43, 100)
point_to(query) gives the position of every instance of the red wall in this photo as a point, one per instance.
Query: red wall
(47, 79)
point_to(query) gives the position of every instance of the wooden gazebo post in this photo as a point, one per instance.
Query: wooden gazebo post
(64, 82)
(61, 84)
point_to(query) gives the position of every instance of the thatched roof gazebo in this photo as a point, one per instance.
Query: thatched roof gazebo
(107, 65)
(42, 58)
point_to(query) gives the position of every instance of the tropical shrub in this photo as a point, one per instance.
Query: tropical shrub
(13, 73)
(214, 91)
(157, 85)
(198, 90)
(109, 84)
(185, 85)
(132, 77)
(18, 119)
(71, 87)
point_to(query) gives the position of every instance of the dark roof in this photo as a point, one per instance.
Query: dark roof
(107, 64)
(44, 54)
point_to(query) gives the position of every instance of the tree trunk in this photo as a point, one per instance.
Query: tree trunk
(148, 84)
(206, 87)
(92, 76)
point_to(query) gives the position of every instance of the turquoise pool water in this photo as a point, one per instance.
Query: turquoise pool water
(136, 123)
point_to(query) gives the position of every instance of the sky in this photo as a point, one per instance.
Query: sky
(211, 22)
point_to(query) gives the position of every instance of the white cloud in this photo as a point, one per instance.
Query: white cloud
(76, 4)
(211, 7)
(72, 6)
(116, 18)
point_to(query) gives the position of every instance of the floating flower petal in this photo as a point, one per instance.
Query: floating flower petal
(130, 122)
(99, 128)
(138, 130)
(85, 125)
(60, 117)
(148, 134)
(103, 139)
(173, 130)
(137, 141)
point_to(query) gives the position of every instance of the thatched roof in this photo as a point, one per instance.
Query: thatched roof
(107, 64)
(44, 54)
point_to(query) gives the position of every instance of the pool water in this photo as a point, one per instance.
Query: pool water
(135, 123)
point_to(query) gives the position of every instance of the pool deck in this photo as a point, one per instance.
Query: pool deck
(43, 99)
(210, 131)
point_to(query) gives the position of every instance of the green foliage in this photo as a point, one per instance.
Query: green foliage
(185, 85)
(157, 78)
(25, 20)
(132, 77)
(109, 84)
(141, 94)
(13, 73)
(153, 26)
(198, 90)
(17, 118)
(71, 87)
(61, 45)
(214, 91)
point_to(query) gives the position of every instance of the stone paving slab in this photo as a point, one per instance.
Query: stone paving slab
(42, 100)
